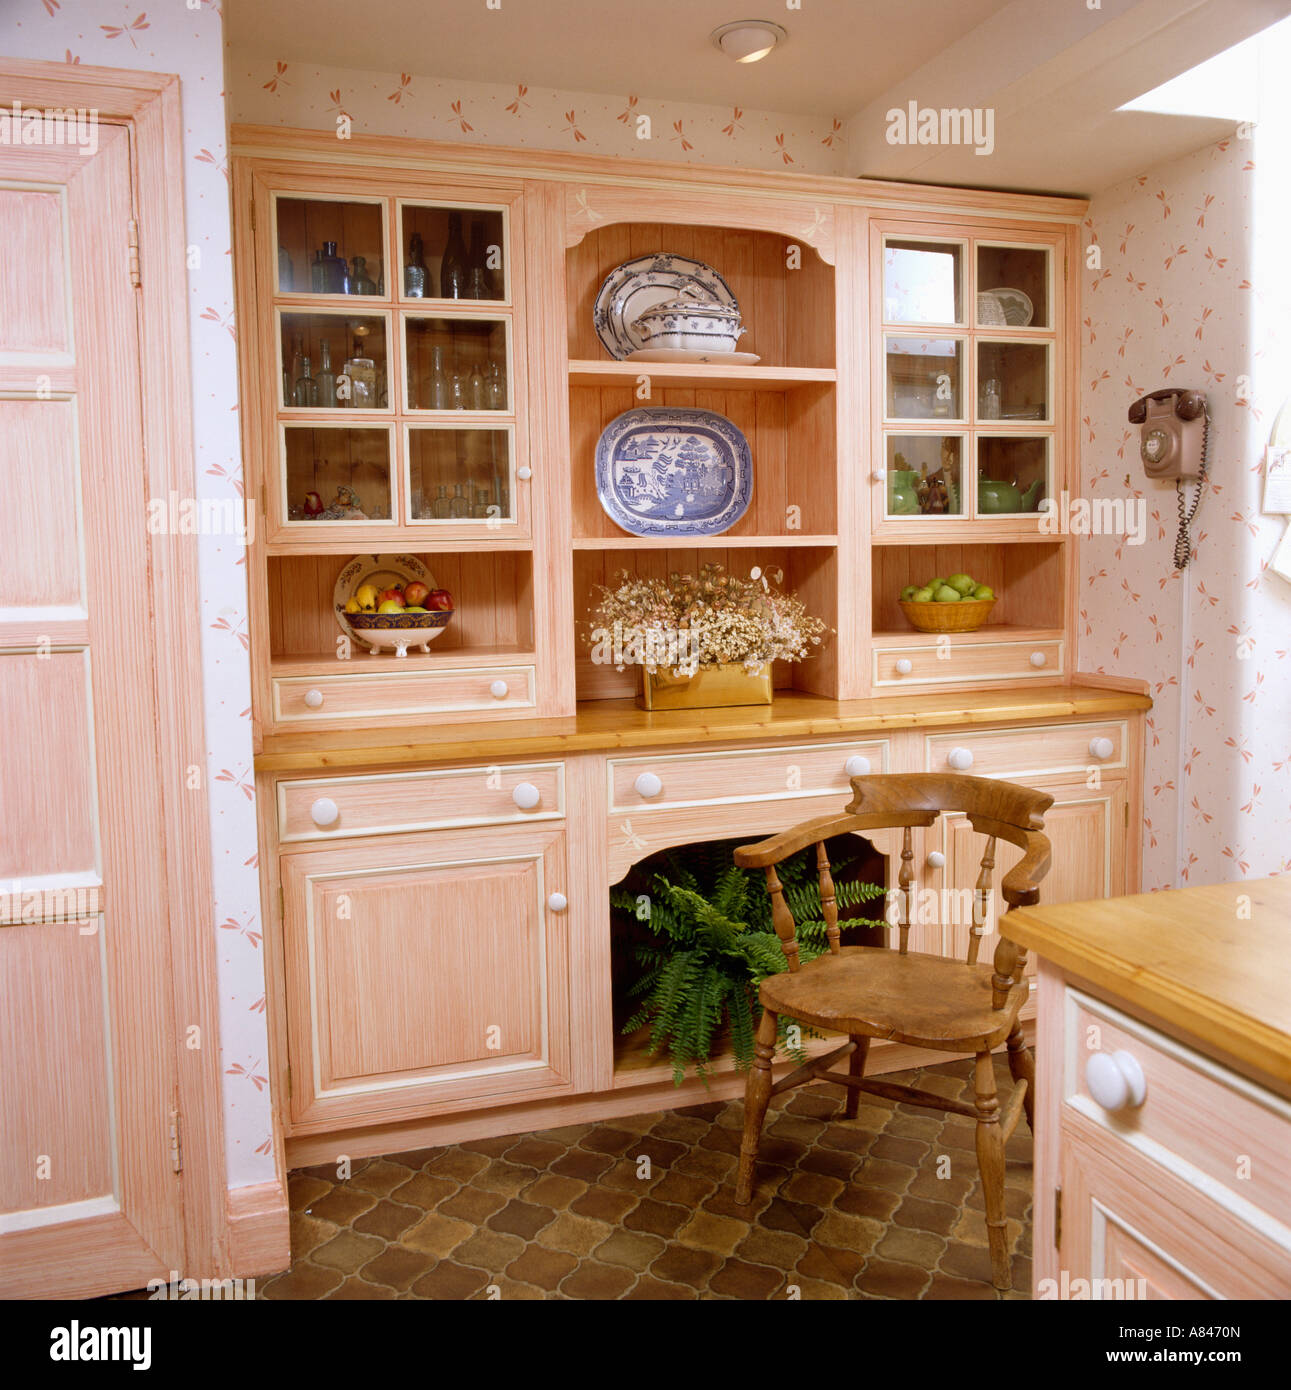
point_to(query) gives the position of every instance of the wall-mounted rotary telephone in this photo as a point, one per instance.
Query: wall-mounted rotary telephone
(1174, 444)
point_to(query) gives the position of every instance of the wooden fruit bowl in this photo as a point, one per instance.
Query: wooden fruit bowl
(965, 616)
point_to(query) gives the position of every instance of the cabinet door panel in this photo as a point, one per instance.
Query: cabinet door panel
(425, 975)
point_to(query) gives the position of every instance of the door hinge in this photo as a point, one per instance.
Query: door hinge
(288, 1080)
(176, 1144)
(1127, 815)
(1057, 1217)
(282, 904)
(133, 234)
(253, 214)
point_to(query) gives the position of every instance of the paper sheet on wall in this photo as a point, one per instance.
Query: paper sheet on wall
(1277, 478)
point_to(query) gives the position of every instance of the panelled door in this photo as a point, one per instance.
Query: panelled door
(89, 1197)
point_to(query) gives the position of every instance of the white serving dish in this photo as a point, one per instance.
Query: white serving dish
(689, 323)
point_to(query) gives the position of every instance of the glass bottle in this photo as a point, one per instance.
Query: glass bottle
(336, 274)
(287, 392)
(458, 504)
(414, 272)
(457, 387)
(439, 388)
(439, 508)
(497, 388)
(362, 372)
(453, 278)
(478, 280)
(318, 274)
(483, 503)
(479, 393)
(286, 281)
(326, 378)
(297, 361)
(306, 387)
(360, 281)
(991, 399)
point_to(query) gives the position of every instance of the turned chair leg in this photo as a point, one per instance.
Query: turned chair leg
(1022, 1068)
(856, 1067)
(757, 1093)
(990, 1161)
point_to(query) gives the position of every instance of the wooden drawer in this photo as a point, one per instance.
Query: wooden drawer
(1040, 660)
(445, 798)
(327, 699)
(1014, 753)
(1213, 1129)
(745, 774)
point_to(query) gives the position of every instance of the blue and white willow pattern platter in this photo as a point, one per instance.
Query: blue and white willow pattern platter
(665, 471)
(639, 284)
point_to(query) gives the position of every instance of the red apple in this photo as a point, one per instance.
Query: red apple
(415, 594)
(313, 504)
(391, 596)
(440, 601)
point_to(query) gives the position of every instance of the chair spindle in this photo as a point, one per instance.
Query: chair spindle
(828, 901)
(981, 901)
(906, 882)
(782, 919)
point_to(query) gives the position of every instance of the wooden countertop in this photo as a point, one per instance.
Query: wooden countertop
(604, 724)
(1201, 959)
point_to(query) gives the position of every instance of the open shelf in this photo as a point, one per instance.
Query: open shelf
(1027, 579)
(700, 375)
(447, 659)
(726, 541)
(992, 632)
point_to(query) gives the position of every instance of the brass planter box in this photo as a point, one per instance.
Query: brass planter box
(708, 688)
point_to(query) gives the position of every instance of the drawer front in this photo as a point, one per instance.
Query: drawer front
(329, 808)
(749, 774)
(897, 663)
(1059, 748)
(1211, 1128)
(325, 699)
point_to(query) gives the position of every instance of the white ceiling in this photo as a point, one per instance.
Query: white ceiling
(1054, 72)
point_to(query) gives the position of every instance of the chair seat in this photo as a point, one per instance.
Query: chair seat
(874, 992)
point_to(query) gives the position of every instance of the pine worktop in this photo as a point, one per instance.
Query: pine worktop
(1213, 962)
(600, 725)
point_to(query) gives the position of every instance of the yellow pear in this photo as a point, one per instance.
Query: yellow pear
(353, 606)
(367, 597)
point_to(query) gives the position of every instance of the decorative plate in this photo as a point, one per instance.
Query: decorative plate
(639, 284)
(664, 471)
(990, 312)
(1016, 305)
(384, 571)
(729, 359)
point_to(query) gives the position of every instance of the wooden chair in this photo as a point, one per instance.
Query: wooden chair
(927, 1001)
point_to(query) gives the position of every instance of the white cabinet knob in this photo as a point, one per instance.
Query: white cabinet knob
(524, 473)
(558, 902)
(498, 690)
(1101, 748)
(648, 784)
(1115, 1080)
(960, 759)
(936, 860)
(879, 475)
(856, 766)
(324, 812)
(1038, 659)
(526, 796)
(904, 666)
(314, 699)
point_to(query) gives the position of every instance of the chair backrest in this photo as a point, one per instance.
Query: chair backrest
(998, 810)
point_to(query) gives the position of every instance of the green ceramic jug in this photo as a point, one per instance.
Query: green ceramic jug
(995, 495)
(903, 500)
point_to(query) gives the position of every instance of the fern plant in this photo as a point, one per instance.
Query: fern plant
(710, 942)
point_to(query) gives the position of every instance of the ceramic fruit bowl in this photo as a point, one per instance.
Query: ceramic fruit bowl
(965, 616)
(398, 631)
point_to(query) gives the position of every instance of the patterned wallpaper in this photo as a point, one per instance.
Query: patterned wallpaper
(277, 91)
(1189, 292)
(174, 38)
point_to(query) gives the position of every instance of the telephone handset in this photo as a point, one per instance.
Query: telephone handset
(1174, 444)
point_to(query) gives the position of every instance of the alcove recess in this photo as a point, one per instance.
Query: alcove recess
(492, 616)
(1027, 578)
(785, 406)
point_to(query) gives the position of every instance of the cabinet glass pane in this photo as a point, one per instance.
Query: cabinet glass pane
(924, 475)
(924, 378)
(1013, 381)
(452, 253)
(922, 282)
(1013, 287)
(460, 475)
(337, 475)
(457, 364)
(1012, 474)
(325, 361)
(327, 247)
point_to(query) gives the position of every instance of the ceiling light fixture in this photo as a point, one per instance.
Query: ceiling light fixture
(747, 40)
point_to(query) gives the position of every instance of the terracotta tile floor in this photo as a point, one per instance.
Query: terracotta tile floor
(641, 1208)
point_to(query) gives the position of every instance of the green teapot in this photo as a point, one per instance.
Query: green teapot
(903, 499)
(994, 495)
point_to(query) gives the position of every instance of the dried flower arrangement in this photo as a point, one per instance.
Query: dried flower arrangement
(686, 623)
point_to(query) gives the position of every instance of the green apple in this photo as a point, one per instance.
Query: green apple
(947, 595)
(983, 591)
(909, 592)
(962, 583)
(934, 584)
(921, 596)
